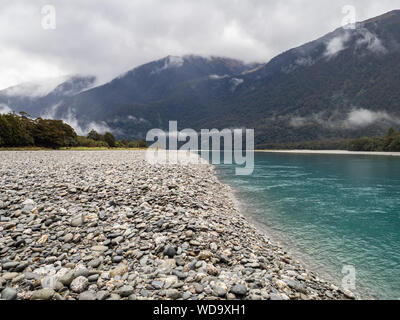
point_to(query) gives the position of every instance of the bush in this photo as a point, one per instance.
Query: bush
(390, 142)
(15, 130)
(110, 139)
(19, 131)
(90, 143)
(53, 134)
(93, 135)
(142, 144)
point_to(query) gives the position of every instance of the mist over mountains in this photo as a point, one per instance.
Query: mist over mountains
(345, 84)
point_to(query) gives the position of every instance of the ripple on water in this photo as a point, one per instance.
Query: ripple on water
(330, 211)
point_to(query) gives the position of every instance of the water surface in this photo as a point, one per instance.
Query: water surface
(331, 211)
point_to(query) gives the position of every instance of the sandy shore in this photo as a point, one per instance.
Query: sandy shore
(338, 152)
(109, 225)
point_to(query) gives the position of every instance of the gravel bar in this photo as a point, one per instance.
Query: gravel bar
(108, 225)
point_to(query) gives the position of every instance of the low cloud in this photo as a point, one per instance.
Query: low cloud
(81, 129)
(304, 61)
(217, 77)
(336, 45)
(129, 119)
(364, 117)
(371, 42)
(171, 62)
(298, 122)
(4, 108)
(35, 90)
(356, 118)
(235, 83)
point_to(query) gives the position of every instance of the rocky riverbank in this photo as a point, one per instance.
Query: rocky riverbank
(109, 225)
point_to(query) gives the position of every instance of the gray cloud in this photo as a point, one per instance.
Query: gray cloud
(4, 108)
(337, 44)
(363, 117)
(37, 89)
(71, 119)
(356, 118)
(107, 38)
(371, 41)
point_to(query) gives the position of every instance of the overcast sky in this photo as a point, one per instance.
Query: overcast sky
(108, 37)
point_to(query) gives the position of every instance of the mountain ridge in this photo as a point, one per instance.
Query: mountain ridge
(313, 91)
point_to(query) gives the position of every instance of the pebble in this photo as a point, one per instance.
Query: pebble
(125, 291)
(170, 252)
(43, 294)
(220, 289)
(9, 265)
(9, 294)
(239, 290)
(79, 284)
(67, 278)
(110, 225)
(87, 295)
(173, 294)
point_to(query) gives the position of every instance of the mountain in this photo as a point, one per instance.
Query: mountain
(344, 84)
(40, 98)
(149, 83)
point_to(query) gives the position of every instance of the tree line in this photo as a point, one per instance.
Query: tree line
(389, 143)
(18, 130)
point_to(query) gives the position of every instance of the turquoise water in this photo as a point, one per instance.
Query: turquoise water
(330, 211)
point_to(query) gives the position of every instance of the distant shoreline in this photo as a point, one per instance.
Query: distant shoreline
(334, 152)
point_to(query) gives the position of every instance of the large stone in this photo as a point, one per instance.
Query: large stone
(87, 295)
(77, 221)
(102, 295)
(239, 290)
(99, 248)
(10, 265)
(68, 237)
(119, 270)
(125, 291)
(9, 294)
(95, 263)
(67, 278)
(205, 255)
(10, 275)
(43, 294)
(212, 270)
(220, 289)
(170, 251)
(173, 294)
(79, 284)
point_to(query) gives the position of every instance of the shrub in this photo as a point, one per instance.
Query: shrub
(110, 139)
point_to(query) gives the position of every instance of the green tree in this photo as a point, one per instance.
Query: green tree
(94, 135)
(390, 132)
(110, 139)
(142, 143)
(53, 134)
(15, 130)
(395, 144)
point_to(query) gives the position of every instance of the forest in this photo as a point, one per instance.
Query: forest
(19, 130)
(388, 143)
